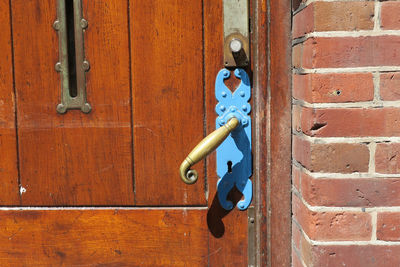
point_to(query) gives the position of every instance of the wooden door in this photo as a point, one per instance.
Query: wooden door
(103, 188)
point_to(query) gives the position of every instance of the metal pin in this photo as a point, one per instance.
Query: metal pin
(235, 45)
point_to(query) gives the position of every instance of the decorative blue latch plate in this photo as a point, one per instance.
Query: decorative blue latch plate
(234, 160)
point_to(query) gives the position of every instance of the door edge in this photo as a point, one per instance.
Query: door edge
(271, 56)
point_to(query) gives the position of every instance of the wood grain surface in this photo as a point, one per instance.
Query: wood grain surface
(168, 109)
(279, 200)
(76, 158)
(260, 133)
(9, 193)
(136, 237)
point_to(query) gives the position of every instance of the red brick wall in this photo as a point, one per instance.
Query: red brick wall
(346, 133)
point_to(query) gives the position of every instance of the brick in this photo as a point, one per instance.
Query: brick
(351, 192)
(344, 16)
(334, 16)
(305, 249)
(296, 177)
(390, 86)
(297, 55)
(308, 123)
(335, 157)
(344, 52)
(388, 226)
(301, 151)
(307, 55)
(390, 15)
(332, 226)
(351, 122)
(334, 87)
(303, 22)
(302, 88)
(354, 255)
(387, 158)
(296, 118)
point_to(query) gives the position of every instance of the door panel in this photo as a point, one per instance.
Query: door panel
(75, 158)
(151, 83)
(168, 90)
(8, 160)
(134, 237)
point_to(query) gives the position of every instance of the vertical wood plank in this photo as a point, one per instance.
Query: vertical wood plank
(261, 136)
(227, 230)
(167, 76)
(76, 158)
(8, 159)
(280, 160)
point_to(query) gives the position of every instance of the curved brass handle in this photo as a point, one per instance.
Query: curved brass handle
(205, 147)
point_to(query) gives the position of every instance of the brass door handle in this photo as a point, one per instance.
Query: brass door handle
(205, 147)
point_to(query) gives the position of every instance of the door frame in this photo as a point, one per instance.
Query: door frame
(271, 59)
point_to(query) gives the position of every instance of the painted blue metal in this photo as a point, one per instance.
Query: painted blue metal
(236, 149)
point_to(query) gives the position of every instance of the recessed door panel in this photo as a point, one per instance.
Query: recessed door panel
(9, 193)
(73, 158)
(168, 90)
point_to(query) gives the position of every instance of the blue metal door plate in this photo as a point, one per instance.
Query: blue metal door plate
(234, 160)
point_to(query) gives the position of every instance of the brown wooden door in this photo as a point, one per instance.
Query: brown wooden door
(103, 188)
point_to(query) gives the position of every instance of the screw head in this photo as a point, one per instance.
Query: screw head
(222, 108)
(84, 23)
(85, 65)
(242, 94)
(56, 25)
(86, 108)
(58, 67)
(244, 108)
(223, 94)
(61, 108)
(232, 109)
(244, 121)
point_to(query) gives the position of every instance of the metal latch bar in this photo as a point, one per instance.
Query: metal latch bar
(68, 99)
(236, 33)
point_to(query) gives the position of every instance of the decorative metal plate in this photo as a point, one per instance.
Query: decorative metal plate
(234, 161)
